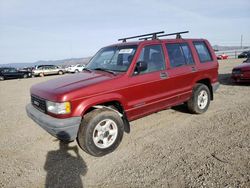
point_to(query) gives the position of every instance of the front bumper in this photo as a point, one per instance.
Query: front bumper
(63, 129)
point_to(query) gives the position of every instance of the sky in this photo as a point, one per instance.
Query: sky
(32, 30)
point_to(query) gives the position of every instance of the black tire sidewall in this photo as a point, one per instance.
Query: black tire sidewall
(85, 134)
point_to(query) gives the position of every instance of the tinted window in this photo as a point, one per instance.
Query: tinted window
(203, 52)
(115, 58)
(12, 70)
(187, 53)
(175, 54)
(153, 56)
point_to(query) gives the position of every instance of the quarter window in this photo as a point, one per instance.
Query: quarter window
(203, 52)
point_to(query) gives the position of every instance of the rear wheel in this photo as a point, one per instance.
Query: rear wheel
(1, 78)
(77, 71)
(41, 74)
(100, 132)
(60, 72)
(200, 100)
(25, 76)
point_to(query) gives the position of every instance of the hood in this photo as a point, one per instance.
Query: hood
(243, 66)
(55, 89)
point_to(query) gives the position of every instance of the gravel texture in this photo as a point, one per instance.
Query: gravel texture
(171, 148)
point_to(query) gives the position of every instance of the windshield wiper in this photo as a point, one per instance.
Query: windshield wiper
(106, 70)
(87, 69)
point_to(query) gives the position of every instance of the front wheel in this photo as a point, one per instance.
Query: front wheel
(25, 76)
(200, 100)
(100, 132)
(1, 78)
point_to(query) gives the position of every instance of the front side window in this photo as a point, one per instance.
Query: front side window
(203, 52)
(115, 58)
(12, 70)
(153, 56)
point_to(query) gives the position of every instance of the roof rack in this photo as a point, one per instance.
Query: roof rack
(154, 36)
(178, 35)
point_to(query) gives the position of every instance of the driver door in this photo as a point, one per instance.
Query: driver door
(149, 91)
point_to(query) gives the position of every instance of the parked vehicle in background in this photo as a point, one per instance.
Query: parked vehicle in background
(43, 70)
(244, 54)
(75, 68)
(241, 73)
(124, 82)
(30, 69)
(248, 59)
(11, 73)
(222, 56)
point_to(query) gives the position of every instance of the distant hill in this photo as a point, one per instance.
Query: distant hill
(63, 63)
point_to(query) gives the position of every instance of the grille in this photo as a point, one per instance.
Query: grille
(38, 103)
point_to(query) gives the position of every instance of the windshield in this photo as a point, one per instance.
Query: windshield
(116, 58)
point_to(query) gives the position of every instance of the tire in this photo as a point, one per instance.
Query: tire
(41, 74)
(91, 136)
(25, 76)
(77, 71)
(200, 100)
(1, 78)
(60, 72)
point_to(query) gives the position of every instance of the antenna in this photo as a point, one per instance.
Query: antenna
(154, 36)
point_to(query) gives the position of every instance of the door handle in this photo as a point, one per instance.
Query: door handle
(193, 69)
(163, 75)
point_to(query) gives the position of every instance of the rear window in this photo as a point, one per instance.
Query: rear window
(203, 52)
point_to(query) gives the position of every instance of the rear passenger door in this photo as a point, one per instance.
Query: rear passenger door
(181, 70)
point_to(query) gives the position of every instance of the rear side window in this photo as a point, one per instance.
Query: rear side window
(187, 53)
(179, 54)
(203, 52)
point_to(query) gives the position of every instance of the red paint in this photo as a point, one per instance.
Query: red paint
(139, 95)
(243, 75)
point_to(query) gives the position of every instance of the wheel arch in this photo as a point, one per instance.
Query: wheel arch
(110, 103)
(207, 82)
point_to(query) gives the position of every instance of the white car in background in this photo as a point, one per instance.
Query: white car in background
(75, 68)
(43, 70)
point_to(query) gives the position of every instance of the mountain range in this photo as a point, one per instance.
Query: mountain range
(63, 63)
(85, 60)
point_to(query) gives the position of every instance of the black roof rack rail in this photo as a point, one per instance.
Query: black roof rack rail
(154, 36)
(178, 35)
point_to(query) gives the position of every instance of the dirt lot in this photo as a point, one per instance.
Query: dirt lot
(171, 148)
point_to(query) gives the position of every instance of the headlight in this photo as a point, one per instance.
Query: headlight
(237, 71)
(58, 108)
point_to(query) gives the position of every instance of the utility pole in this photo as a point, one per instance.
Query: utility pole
(241, 39)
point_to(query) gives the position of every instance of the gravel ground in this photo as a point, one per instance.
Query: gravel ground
(171, 148)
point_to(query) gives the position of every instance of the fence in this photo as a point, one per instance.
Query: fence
(232, 53)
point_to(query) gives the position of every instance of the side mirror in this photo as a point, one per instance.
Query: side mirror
(141, 66)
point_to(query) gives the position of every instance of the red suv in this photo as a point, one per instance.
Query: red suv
(124, 82)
